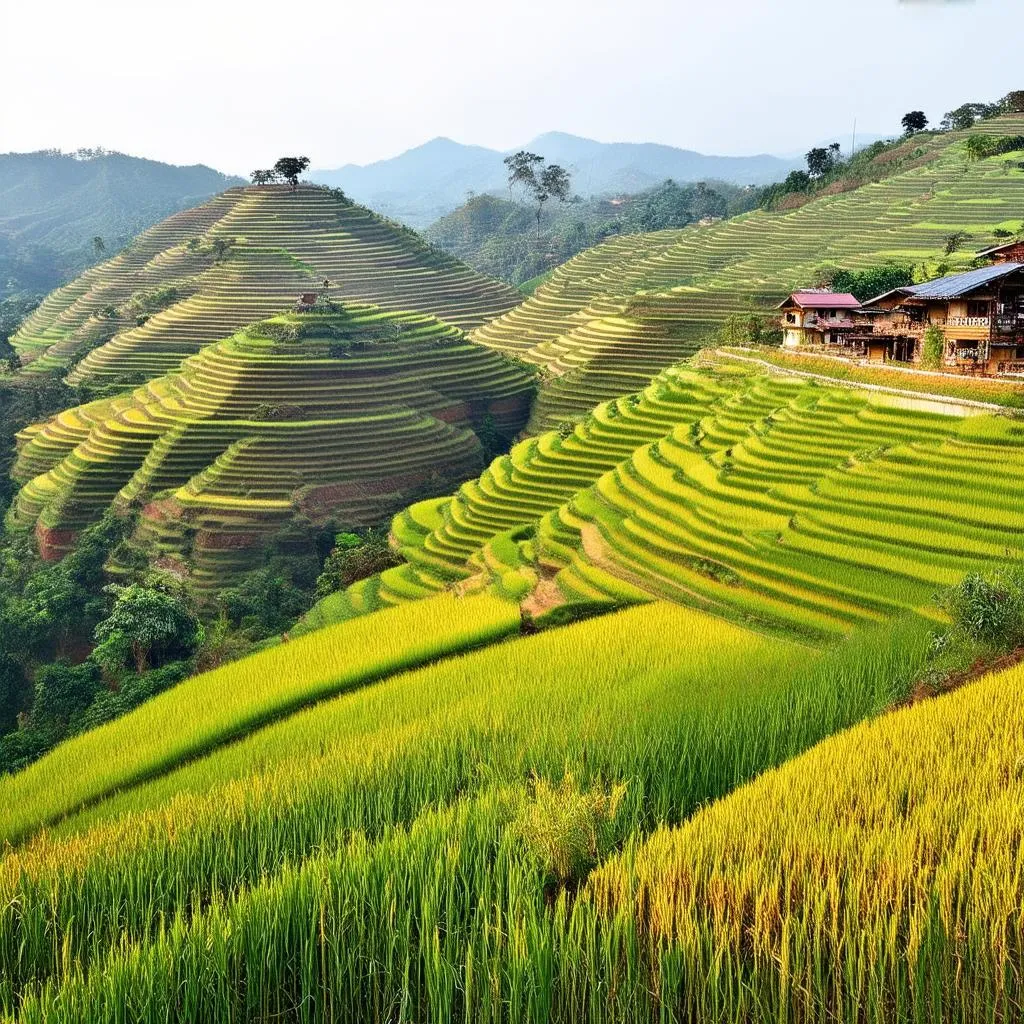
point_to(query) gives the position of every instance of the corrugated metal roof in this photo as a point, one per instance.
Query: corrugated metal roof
(816, 299)
(954, 286)
(960, 284)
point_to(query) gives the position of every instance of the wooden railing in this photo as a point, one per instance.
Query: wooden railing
(968, 321)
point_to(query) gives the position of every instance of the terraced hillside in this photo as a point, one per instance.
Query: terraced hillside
(343, 413)
(621, 312)
(778, 502)
(245, 255)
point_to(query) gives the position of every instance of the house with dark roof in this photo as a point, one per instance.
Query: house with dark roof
(1008, 252)
(980, 315)
(817, 318)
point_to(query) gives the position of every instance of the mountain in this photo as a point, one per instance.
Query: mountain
(53, 204)
(424, 183)
(202, 274)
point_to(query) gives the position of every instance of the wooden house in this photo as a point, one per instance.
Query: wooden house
(818, 318)
(1008, 252)
(980, 314)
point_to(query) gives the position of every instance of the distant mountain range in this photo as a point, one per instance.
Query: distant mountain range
(431, 180)
(53, 204)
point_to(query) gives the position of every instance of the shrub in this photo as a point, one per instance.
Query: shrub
(987, 610)
(568, 831)
(933, 345)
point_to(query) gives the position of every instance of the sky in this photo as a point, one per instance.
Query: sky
(235, 85)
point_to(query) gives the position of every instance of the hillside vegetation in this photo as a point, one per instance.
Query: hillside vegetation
(779, 502)
(52, 206)
(611, 318)
(200, 275)
(342, 414)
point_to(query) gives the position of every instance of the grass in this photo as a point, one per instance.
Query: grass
(217, 707)
(367, 858)
(885, 884)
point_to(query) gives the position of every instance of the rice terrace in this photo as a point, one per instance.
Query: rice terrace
(528, 580)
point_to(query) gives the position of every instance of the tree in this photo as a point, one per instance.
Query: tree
(821, 160)
(914, 121)
(955, 241)
(98, 245)
(866, 284)
(522, 169)
(263, 177)
(1013, 102)
(148, 625)
(290, 167)
(967, 114)
(541, 182)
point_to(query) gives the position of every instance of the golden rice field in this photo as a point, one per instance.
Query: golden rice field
(363, 858)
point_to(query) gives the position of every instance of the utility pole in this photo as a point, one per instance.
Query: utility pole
(853, 143)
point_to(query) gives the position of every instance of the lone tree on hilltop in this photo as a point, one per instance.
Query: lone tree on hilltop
(541, 182)
(98, 245)
(821, 160)
(290, 167)
(263, 177)
(914, 121)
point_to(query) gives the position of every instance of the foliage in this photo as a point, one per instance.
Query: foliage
(933, 348)
(979, 147)
(268, 599)
(288, 168)
(954, 242)
(866, 284)
(566, 830)
(987, 609)
(148, 625)
(914, 121)
(968, 114)
(354, 557)
(540, 180)
(751, 329)
(821, 160)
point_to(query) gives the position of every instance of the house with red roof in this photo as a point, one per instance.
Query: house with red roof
(819, 318)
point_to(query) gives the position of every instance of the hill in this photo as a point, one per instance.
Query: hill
(654, 812)
(758, 498)
(53, 204)
(612, 317)
(341, 415)
(500, 237)
(248, 253)
(429, 181)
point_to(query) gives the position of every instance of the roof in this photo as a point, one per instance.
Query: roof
(1002, 247)
(954, 286)
(819, 298)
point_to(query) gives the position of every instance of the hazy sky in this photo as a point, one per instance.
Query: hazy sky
(236, 84)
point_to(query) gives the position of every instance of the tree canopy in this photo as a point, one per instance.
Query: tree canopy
(914, 121)
(289, 168)
(541, 180)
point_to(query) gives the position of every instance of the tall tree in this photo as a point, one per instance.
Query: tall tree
(98, 245)
(914, 121)
(821, 160)
(263, 177)
(541, 182)
(290, 167)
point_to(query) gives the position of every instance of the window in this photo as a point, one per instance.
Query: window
(978, 307)
(791, 318)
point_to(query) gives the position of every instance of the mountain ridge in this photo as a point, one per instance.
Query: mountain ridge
(430, 180)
